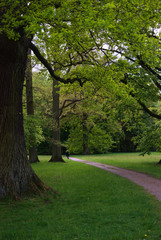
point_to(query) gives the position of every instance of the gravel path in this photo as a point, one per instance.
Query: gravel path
(151, 184)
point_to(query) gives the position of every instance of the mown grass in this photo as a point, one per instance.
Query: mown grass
(134, 161)
(92, 205)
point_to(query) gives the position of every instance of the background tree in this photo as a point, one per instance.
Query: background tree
(90, 122)
(63, 59)
(42, 86)
(148, 137)
(132, 36)
(56, 142)
(33, 157)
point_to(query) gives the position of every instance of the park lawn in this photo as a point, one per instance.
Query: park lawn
(92, 205)
(134, 161)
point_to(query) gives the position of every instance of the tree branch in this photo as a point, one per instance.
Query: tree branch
(150, 70)
(50, 69)
(71, 101)
(147, 110)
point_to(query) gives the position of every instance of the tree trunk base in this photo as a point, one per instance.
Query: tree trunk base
(159, 163)
(33, 157)
(34, 160)
(60, 159)
(39, 188)
(10, 186)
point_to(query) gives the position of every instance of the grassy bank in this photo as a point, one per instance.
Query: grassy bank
(134, 161)
(92, 205)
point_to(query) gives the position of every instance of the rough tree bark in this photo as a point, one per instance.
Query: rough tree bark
(33, 157)
(16, 175)
(85, 134)
(56, 144)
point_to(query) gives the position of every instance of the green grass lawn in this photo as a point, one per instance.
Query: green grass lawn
(134, 161)
(92, 205)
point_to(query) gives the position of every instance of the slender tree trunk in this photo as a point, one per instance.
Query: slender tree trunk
(85, 135)
(30, 109)
(16, 175)
(56, 144)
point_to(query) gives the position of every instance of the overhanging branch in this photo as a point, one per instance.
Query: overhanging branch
(147, 110)
(151, 71)
(70, 102)
(51, 71)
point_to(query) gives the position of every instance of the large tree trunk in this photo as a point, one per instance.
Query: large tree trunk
(85, 134)
(30, 109)
(16, 175)
(56, 144)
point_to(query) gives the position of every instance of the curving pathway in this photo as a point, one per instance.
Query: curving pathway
(151, 184)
